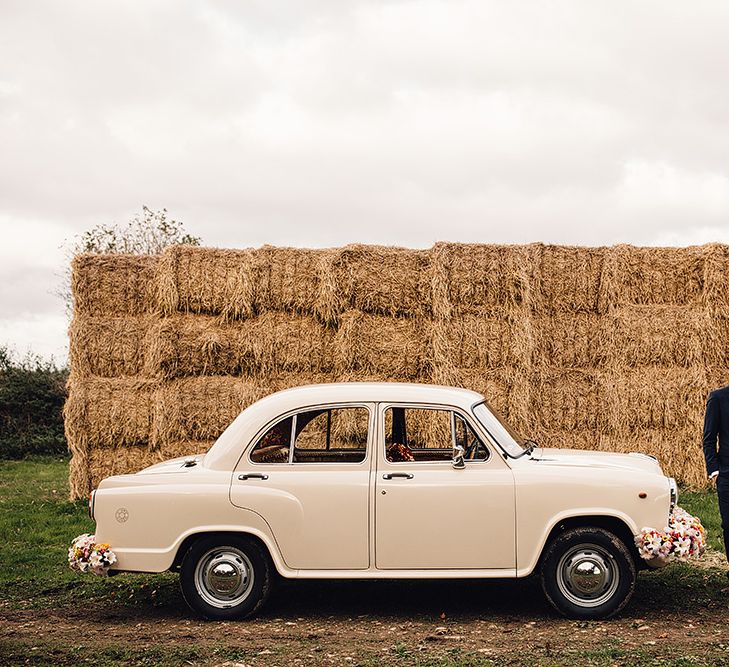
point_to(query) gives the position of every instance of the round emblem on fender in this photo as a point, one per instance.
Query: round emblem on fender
(122, 514)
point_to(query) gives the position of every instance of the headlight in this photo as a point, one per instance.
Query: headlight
(674, 492)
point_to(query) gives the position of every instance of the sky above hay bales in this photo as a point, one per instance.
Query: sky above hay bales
(329, 122)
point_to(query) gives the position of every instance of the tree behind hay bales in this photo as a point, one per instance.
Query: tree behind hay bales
(32, 393)
(147, 233)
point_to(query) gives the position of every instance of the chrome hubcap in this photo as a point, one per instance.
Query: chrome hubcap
(224, 577)
(587, 575)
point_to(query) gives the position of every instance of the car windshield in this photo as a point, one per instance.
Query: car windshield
(499, 430)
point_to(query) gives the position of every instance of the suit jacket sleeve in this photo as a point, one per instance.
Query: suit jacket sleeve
(711, 432)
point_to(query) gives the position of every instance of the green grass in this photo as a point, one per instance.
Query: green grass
(37, 524)
(608, 655)
(705, 506)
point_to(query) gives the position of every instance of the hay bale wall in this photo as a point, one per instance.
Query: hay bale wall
(601, 348)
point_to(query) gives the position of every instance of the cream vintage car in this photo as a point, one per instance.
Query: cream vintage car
(384, 480)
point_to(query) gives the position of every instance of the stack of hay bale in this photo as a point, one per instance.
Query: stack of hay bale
(600, 348)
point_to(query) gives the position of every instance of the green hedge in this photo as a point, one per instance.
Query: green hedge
(32, 393)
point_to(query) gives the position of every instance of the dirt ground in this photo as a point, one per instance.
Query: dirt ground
(435, 622)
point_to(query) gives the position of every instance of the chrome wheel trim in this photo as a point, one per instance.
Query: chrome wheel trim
(224, 577)
(587, 575)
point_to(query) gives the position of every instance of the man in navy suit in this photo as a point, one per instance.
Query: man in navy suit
(716, 452)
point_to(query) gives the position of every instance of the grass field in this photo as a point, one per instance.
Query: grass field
(37, 522)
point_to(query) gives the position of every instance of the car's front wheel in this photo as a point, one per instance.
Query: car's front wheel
(588, 573)
(226, 577)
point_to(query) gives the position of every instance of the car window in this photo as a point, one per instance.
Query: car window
(273, 446)
(474, 449)
(337, 435)
(428, 434)
(328, 435)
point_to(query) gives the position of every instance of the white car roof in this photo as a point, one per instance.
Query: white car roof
(371, 392)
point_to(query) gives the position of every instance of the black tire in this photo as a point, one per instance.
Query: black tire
(588, 573)
(234, 563)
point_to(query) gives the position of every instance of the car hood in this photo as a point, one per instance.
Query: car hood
(579, 458)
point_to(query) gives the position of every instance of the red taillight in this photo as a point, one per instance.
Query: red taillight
(91, 504)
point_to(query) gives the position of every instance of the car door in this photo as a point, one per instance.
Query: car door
(308, 477)
(430, 515)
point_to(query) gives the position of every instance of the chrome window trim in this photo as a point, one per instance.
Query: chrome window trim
(383, 407)
(371, 426)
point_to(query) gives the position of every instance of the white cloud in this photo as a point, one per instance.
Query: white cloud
(37, 334)
(329, 122)
(658, 188)
(691, 236)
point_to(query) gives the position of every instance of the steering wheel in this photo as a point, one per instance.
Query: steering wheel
(472, 449)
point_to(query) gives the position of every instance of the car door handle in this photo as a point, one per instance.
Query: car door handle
(392, 475)
(252, 475)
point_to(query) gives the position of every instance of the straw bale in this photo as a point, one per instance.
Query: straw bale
(586, 439)
(289, 380)
(240, 283)
(206, 280)
(716, 377)
(104, 462)
(655, 397)
(383, 280)
(678, 451)
(108, 412)
(79, 482)
(569, 399)
(180, 448)
(481, 341)
(113, 285)
(288, 279)
(571, 339)
(597, 347)
(377, 345)
(275, 342)
(445, 375)
(715, 296)
(507, 390)
(108, 346)
(330, 301)
(568, 278)
(440, 367)
(439, 282)
(664, 335)
(200, 408)
(472, 278)
(632, 275)
(631, 335)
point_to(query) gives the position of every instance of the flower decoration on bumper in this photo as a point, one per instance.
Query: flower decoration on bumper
(85, 555)
(684, 537)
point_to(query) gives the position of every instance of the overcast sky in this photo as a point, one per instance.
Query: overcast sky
(326, 122)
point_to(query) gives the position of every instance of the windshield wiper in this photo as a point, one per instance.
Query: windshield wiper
(531, 446)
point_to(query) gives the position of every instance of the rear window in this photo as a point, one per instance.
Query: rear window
(327, 435)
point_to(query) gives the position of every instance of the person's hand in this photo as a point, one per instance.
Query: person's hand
(713, 478)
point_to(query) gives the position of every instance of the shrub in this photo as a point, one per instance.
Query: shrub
(32, 393)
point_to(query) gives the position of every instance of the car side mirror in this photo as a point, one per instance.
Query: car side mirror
(458, 455)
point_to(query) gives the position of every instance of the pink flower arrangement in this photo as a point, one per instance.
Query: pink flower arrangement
(684, 537)
(85, 555)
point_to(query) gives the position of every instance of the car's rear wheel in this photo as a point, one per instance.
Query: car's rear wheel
(588, 573)
(226, 577)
